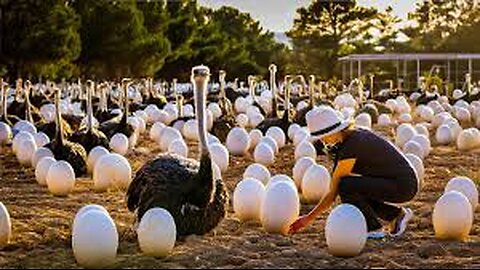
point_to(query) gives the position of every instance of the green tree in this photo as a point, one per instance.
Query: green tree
(115, 41)
(327, 30)
(436, 21)
(39, 38)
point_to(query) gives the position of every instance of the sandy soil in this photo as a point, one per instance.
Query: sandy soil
(42, 225)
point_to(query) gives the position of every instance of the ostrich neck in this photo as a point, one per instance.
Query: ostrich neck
(252, 93)
(126, 109)
(4, 101)
(200, 91)
(310, 92)
(287, 101)
(58, 115)
(89, 108)
(28, 109)
(274, 92)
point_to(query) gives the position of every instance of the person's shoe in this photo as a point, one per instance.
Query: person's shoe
(399, 225)
(378, 234)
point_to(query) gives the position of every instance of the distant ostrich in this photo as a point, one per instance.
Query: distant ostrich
(223, 125)
(65, 150)
(119, 124)
(284, 122)
(89, 136)
(188, 189)
(7, 119)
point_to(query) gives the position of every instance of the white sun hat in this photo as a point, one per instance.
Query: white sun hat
(324, 121)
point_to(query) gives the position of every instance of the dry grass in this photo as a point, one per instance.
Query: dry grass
(42, 224)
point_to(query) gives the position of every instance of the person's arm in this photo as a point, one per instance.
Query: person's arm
(343, 168)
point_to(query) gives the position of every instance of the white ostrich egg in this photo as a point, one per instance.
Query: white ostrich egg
(277, 134)
(465, 186)
(157, 233)
(264, 154)
(39, 154)
(215, 109)
(417, 165)
(178, 147)
(257, 171)
(168, 135)
(41, 170)
(404, 134)
(346, 231)
(94, 155)
(292, 129)
(219, 154)
(444, 135)
(364, 120)
(405, 118)
(305, 149)
(111, 170)
(452, 216)
(280, 207)
(300, 135)
(427, 114)
(95, 239)
(25, 152)
(242, 120)
(238, 141)
(247, 199)
(299, 169)
(271, 142)
(190, 130)
(5, 133)
(60, 178)
(119, 143)
(5, 226)
(19, 138)
(26, 126)
(384, 120)
(156, 130)
(255, 137)
(315, 183)
(415, 148)
(41, 139)
(424, 142)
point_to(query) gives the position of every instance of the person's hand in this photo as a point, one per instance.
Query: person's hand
(299, 224)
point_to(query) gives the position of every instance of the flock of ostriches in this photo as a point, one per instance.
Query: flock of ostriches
(68, 131)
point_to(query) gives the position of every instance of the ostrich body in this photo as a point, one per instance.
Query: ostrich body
(119, 124)
(185, 187)
(284, 122)
(62, 149)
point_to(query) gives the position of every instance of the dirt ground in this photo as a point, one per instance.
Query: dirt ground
(42, 225)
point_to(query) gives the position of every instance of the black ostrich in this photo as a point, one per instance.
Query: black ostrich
(179, 99)
(188, 189)
(251, 86)
(300, 115)
(273, 88)
(50, 129)
(119, 124)
(284, 122)
(226, 122)
(63, 149)
(89, 136)
(102, 114)
(6, 118)
(153, 97)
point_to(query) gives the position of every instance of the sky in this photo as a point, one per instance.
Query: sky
(277, 15)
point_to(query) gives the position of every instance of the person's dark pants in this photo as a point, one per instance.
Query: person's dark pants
(372, 195)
